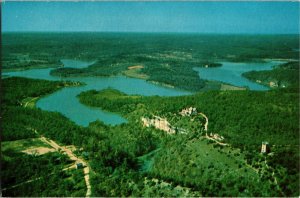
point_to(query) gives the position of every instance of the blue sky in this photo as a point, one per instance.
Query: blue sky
(200, 17)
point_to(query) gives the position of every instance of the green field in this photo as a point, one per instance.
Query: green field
(23, 144)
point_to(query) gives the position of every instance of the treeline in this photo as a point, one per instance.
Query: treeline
(180, 75)
(16, 89)
(110, 99)
(243, 117)
(167, 58)
(284, 75)
(19, 50)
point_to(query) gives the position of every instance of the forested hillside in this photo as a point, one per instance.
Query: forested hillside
(244, 118)
(132, 160)
(282, 76)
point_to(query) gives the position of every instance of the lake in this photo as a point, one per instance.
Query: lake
(231, 73)
(66, 102)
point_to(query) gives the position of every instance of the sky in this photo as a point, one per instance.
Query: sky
(193, 17)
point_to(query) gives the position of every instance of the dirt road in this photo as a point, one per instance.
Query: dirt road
(206, 121)
(71, 155)
(206, 128)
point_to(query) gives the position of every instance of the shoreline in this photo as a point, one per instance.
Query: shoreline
(4, 70)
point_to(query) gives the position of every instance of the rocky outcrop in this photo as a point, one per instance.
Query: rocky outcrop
(216, 136)
(188, 111)
(158, 123)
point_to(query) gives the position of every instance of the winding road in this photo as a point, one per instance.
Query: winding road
(249, 166)
(206, 128)
(206, 122)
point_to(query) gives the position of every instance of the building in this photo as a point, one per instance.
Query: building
(265, 147)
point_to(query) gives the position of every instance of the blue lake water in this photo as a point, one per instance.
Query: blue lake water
(76, 63)
(231, 73)
(66, 102)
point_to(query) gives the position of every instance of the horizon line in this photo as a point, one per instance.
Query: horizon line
(297, 1)
(155, 32)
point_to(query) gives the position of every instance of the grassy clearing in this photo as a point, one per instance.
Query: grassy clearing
(231, 87)
(197, 162)
(219, 156)
(24, 144)
(135, 73)
(30, 102)
(146, 161)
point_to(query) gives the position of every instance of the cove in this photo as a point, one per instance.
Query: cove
(231, 73)
(65, 101)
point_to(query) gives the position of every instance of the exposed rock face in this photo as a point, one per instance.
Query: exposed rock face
(188, 111)
(273, 84)
(158, 123)
(164, 125)
(216, 136)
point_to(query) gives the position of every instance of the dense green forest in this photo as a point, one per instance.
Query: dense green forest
(244, 118)
(166, 58)
(45, 172)
(17, 124)
(283, 76)
(238, 112)
(182, 165)
(133, 160)
(105, 145)
(115, 151)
